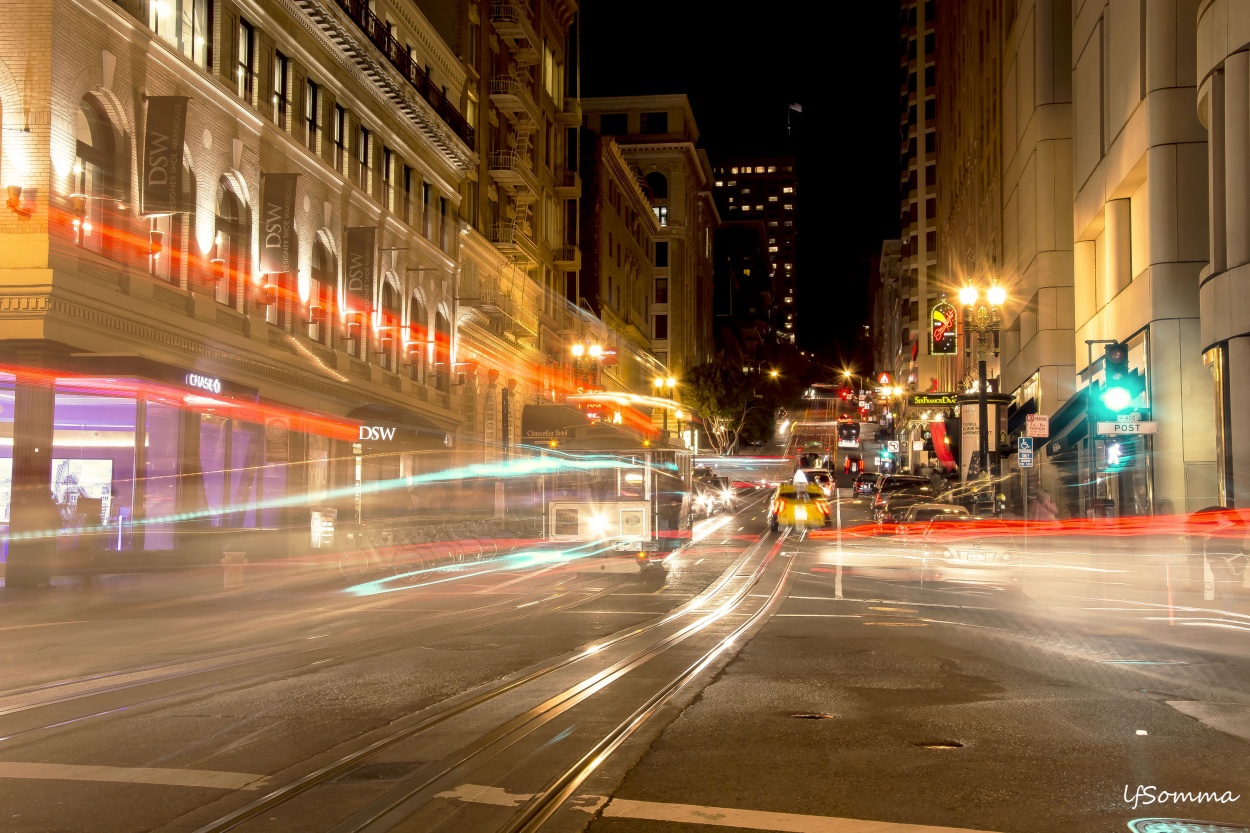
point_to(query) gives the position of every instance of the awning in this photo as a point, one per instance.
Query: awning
(1068, 425)
(388, 428)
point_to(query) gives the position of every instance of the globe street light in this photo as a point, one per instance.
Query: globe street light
(985, 320)
(664, 385)
(586, 361)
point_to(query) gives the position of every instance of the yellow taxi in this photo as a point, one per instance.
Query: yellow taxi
(800, 505)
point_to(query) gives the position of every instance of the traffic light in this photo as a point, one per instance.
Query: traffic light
(1116, 455)
(1121, 387)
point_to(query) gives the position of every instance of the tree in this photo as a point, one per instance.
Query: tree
(723, 397)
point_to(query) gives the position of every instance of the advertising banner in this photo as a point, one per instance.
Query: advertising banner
(360, 266)
(944, 330)
(279, 250)
(163, 190)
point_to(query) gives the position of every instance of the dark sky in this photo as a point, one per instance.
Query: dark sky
(742, 69)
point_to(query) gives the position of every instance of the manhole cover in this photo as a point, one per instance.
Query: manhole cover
(813, 716)
(940, 744)
(1184, 826)
(381, 772)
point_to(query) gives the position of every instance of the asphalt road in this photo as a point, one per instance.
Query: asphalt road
(748, 686)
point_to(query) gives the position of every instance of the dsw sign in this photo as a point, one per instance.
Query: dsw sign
(376, 432)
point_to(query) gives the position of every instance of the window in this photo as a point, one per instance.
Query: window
(734, 171)
(312, 115)
(187, 26)
(772, 198)
(788, 206)
(95, 174)
(772, 224)
(772, 249)
(746, 190)
(661, 327)
(759, 169)
(230, 245)
(720, 183)
(789, 224)
(772, 169)
(444, 226)
(246, 70)
(389, 329)
(654, 122)
(281, 98)
(340, 139)
(746, 208)
(661, 214)
(661, 254)
(789, 300)
(661, 290)
(427, 210)
(321, 293)
(614, 124)
(658, 184)
(409, 196)
(388, 178)
(788, 189)
(362, 158)
(759, 208)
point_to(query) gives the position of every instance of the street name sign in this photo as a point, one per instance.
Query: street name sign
(1037, 425)
(1115, 429)
(1024, 451)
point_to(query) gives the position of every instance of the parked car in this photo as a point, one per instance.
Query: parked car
(897, 502)
(888, 483)
(712, 495)
(800, 506)
(969, 549)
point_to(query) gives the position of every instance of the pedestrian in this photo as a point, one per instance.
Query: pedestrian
(1044, 508)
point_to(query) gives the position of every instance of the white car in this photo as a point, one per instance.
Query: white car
(822, 478)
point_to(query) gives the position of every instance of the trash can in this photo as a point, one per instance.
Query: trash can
(233, 566)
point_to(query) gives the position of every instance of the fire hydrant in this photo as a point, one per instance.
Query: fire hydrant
(233, 566)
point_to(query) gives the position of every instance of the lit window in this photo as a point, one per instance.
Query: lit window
(773, 198)
(772, 224)
(746, 190)
(772, 249)
(733, 170)
(789, 223)
(746, 208)
(733, 182)
(789, 315)
(759, 208)
(731, 199)
(772, 240)
(787, 190)
(789, 300)
(661, 214)
(788, 207)
(772, 169)
(759, 169)
(789, 325)
(720, 183)
(789, 266)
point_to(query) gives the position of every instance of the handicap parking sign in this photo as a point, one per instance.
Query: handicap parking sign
(1024, 449)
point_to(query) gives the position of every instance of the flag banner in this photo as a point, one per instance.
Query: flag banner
(164, 191)
(279, 250)
(360, 266)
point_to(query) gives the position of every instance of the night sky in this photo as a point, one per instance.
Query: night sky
(742, 70)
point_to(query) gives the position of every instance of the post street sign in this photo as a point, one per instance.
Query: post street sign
(1024, 452)
(1115, 429)
(1037, 425)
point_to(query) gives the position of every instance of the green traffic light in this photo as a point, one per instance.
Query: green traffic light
(1117, 399)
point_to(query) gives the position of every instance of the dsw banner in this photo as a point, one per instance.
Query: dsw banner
(163, 188)
(279, 250)
(359, 266)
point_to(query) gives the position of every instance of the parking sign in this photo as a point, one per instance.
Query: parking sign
(1024, 448)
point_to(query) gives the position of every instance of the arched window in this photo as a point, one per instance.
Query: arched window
(658, 184)
(170, 235)
(230, 253)
(388, 326)
(321, 301)
(442, 351)
(418, 337)
(97, 178)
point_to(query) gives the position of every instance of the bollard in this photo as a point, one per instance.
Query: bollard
(233, 566)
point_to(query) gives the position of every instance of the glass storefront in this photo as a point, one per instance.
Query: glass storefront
(6, 460)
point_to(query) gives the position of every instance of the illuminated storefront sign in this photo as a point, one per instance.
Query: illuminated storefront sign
(943, 321)
(205, 383)
(932, 400)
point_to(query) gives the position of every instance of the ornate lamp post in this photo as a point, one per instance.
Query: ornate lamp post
(984, 318)
(586, 361)
(664, 387)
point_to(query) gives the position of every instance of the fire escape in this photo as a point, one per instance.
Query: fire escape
(512, 166)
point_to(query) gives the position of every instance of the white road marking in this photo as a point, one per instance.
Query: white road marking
(700, 561)
(42, 625)
(622, 808)
(758, 819)
(823, 615)
(491, 588)
(134, 775)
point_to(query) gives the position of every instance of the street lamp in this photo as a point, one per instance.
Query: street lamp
(985, 319)
(586, 361)
(664, 386)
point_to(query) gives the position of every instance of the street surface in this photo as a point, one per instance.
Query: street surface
(788, 681)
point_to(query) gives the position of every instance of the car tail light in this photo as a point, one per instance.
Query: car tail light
(781, 505)
(823, 506)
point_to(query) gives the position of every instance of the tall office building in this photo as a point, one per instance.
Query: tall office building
(766, 189)
(658, 137)
(919, 283)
